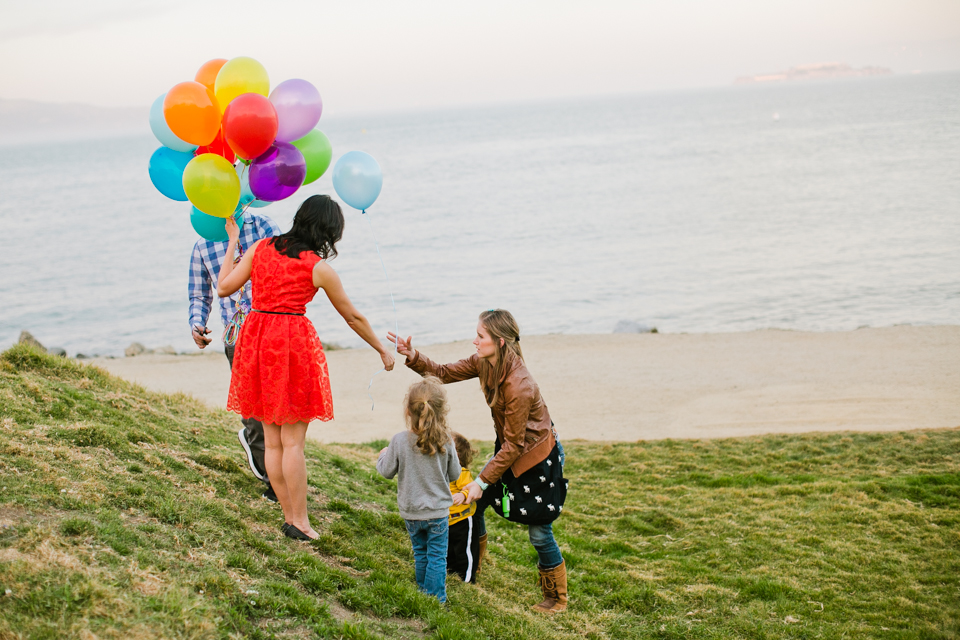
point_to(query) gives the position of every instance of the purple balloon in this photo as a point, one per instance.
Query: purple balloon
(298, 106)
(277, 173)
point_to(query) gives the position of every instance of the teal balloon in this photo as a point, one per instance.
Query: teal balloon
(357, 179)
(166, 172)
(158, 125)
(212, 227)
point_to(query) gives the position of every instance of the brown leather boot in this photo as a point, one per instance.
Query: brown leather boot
(553, 583)
(483, 551)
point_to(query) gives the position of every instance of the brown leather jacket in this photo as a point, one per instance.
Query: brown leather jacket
(520, 416)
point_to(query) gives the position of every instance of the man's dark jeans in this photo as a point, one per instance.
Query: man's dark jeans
(253, 430)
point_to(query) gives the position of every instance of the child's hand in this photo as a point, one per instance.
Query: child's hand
(382, 450)
(458, 498)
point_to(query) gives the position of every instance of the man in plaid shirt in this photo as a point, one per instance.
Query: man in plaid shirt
(204, 272)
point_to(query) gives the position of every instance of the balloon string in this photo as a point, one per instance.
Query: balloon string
(396, 320)
(246, 206)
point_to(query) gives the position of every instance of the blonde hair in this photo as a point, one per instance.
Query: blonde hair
(426, 414)
(501, 325)
(465, 450)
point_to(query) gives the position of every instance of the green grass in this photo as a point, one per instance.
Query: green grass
(128, 514)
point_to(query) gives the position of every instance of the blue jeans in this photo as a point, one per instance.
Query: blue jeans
(541, 535)
(429, 539)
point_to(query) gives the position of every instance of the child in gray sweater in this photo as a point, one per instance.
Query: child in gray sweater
(425, 460)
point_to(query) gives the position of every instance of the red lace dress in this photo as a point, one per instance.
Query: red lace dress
(279, 368)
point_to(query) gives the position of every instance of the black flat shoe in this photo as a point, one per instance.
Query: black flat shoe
(292, 532)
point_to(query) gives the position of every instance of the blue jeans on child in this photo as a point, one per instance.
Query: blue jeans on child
(429, 539)
(541, 535)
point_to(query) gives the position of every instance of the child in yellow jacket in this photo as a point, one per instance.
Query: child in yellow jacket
(463, 549)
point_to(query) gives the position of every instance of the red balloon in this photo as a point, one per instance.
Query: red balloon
(250, 125)
(219, 147)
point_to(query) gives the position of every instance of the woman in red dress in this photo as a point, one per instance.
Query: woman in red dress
(279, 369)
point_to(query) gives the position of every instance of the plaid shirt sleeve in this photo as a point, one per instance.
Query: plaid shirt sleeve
(267, 227)
(200, 289)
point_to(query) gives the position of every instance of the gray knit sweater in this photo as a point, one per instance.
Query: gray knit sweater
(423, 482)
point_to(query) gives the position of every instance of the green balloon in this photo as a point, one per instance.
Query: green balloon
(316, 150)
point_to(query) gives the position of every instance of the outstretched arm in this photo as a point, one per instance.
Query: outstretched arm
(327, 279)
(453, 372)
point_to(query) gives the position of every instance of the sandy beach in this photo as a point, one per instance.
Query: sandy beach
(648, 386)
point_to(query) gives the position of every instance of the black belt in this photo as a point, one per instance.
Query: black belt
(277, 313)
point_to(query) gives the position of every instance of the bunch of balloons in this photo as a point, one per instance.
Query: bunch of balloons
(230, 143)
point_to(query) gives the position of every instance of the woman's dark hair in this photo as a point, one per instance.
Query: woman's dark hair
(317, 227)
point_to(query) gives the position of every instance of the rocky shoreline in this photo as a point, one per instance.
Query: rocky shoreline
(135, 349)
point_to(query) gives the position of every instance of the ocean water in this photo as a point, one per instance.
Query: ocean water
(826, 206)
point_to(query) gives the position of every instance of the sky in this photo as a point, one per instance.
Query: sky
(377, 55)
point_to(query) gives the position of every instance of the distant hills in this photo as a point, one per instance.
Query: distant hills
(31, 121)
(818, 71)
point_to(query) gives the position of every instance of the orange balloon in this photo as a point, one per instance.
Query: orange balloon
(192, 113)
(207, 75)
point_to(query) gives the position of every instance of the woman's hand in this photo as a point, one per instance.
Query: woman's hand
(233, 231)
(404, 347)
(388, 360)
(474, 492)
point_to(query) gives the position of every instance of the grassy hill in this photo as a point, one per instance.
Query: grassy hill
(128, 514)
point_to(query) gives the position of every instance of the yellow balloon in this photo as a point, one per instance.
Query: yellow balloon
(240, 75)
(212, 185)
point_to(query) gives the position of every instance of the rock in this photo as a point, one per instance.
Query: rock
(134, 349)
(83, 356)
(57, 351)
(629, 326)
(27, 338)
(166, 350)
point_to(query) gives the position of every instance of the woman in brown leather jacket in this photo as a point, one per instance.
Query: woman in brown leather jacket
(525, 433)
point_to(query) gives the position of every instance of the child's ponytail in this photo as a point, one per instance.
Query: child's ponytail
(426, 411)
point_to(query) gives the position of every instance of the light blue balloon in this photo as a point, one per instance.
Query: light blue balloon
(166, 172)
(246, 195)
(357, 179)
(212, 227)
(158, 124)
